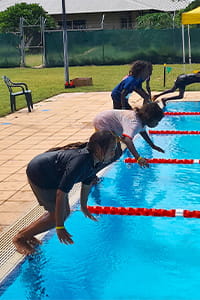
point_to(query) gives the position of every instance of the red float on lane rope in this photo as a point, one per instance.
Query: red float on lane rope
(164, 161)
(135, 211)
(174, 132)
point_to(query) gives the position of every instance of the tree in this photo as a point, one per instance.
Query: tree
(164, 20)
(157, 21)
(192, 5)
(31, 14)
(10, 18)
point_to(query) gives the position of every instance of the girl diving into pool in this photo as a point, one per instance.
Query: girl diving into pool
(125, 124)
(51, 176)
(180, 83)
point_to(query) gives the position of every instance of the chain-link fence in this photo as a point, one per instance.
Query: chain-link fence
(107, 47)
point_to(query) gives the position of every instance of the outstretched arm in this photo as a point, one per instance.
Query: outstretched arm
(85, 189)
(141, 161)
(143, 94)
(150, 142)
(148, 87)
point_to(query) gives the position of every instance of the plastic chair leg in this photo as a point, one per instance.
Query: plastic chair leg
(31, 101)
(28, 101)
(12, 103)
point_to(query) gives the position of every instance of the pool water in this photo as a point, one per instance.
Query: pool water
(127, 257)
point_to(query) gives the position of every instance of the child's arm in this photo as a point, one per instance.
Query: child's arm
(85, 189)
(143, 94)
(149, 141)
(62, 210)
(148, 87)
(141, 161)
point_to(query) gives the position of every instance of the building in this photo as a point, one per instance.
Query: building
(98, 14)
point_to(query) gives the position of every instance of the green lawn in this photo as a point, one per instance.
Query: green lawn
(48, 82)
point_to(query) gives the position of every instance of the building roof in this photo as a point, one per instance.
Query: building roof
(54, 7)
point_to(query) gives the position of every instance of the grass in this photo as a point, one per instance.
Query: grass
(48, 82)
(33, 60)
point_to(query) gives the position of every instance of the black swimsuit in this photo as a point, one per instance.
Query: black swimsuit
(186, 79)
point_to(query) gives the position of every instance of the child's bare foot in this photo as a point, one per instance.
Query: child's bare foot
(34, 242)
(22, 245)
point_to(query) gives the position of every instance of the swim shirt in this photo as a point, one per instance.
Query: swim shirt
(186, 79)
(63, 168)
(120, 122)
(130, 83)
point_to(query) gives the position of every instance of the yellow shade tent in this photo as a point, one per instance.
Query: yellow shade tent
(190, 17)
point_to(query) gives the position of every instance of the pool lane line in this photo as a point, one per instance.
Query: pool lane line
(181, 113)
(139, 211)
(174, 132)
(164, 161)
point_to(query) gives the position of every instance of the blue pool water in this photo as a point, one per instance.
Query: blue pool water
(127, 257)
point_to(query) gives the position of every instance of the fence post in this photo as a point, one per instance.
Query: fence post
(42, 26)
(164, 75)
(65, 43)
(22, 44)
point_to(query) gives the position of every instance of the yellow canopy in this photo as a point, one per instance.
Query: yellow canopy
(191, 17)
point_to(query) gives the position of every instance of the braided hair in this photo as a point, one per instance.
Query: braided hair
(102, 138)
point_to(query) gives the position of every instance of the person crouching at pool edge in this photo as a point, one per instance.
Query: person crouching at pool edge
(51, 176)
(140, 71)
(125, 124)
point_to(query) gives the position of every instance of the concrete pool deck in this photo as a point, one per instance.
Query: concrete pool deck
(56, 121)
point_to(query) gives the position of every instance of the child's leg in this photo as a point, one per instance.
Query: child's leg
(179, 96)
(25, 238)
(165, 92)
(116, 102)
(117, 105)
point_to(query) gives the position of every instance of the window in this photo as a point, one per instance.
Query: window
(69, 24)
(75, 24)
(79, 24)
(126, 23)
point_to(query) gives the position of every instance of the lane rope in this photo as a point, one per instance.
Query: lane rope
(174, 132)
(164, 161)
(138, 211)
(181, 113)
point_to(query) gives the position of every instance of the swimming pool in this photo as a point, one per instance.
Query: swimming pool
(127, 257)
